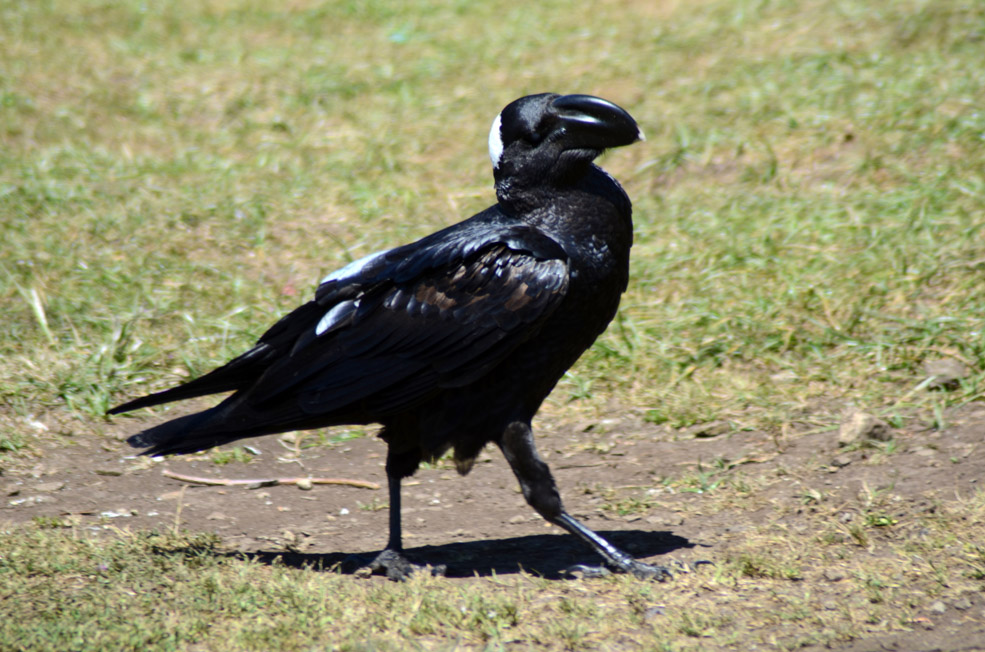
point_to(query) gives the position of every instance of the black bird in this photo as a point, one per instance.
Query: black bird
(453, 341)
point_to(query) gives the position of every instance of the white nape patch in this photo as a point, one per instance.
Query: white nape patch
(353, 268)
(496, 141)
(335, 315)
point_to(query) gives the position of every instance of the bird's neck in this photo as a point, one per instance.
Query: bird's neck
(517, 195)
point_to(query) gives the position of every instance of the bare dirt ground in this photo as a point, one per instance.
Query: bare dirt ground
(480, 525)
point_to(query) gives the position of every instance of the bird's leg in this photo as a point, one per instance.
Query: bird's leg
(391, 562)
(395, 541)
(541, 493)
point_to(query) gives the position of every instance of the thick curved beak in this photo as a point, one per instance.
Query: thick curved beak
(593, 123)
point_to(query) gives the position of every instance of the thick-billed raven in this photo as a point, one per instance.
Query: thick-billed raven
(455, 340)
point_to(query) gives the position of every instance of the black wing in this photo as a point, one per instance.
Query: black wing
(385, 333)
(397, 342)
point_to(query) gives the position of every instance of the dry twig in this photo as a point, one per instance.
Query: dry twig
(269, 482)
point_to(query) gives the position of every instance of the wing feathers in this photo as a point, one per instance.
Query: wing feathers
(383, 334)
(440, 326)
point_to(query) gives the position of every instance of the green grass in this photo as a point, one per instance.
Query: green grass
(174, 176)
(170, 591)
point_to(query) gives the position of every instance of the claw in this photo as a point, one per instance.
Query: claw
(397, 568)
(585, 571)
(637, 568)
(392, 564)
(649, 572)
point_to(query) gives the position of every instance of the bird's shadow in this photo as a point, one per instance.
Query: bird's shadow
(546, 555)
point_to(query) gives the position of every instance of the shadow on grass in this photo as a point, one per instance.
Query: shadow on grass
(546, 555)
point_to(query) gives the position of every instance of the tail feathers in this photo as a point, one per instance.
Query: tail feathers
(235, 374)
(198, 387)
(187, 434)
(147, 401)
(229, 421)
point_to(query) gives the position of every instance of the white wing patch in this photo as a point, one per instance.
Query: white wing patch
(353, 268)
(496, 141)
(336, 315)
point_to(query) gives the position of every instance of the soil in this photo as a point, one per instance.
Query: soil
(480, 524)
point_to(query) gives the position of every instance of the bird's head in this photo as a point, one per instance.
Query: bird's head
(545, 137)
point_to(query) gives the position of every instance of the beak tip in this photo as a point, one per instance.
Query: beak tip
(602, 124)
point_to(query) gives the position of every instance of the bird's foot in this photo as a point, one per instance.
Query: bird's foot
(396, 567)
(636, 568)
(584, 571)
(648, 571)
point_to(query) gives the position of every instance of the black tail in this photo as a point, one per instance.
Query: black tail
(235, 374)
(229, 421)
(181, 435)
(189, 390)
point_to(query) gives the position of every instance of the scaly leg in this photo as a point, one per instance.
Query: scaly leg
(541, 493)
(392, 562)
